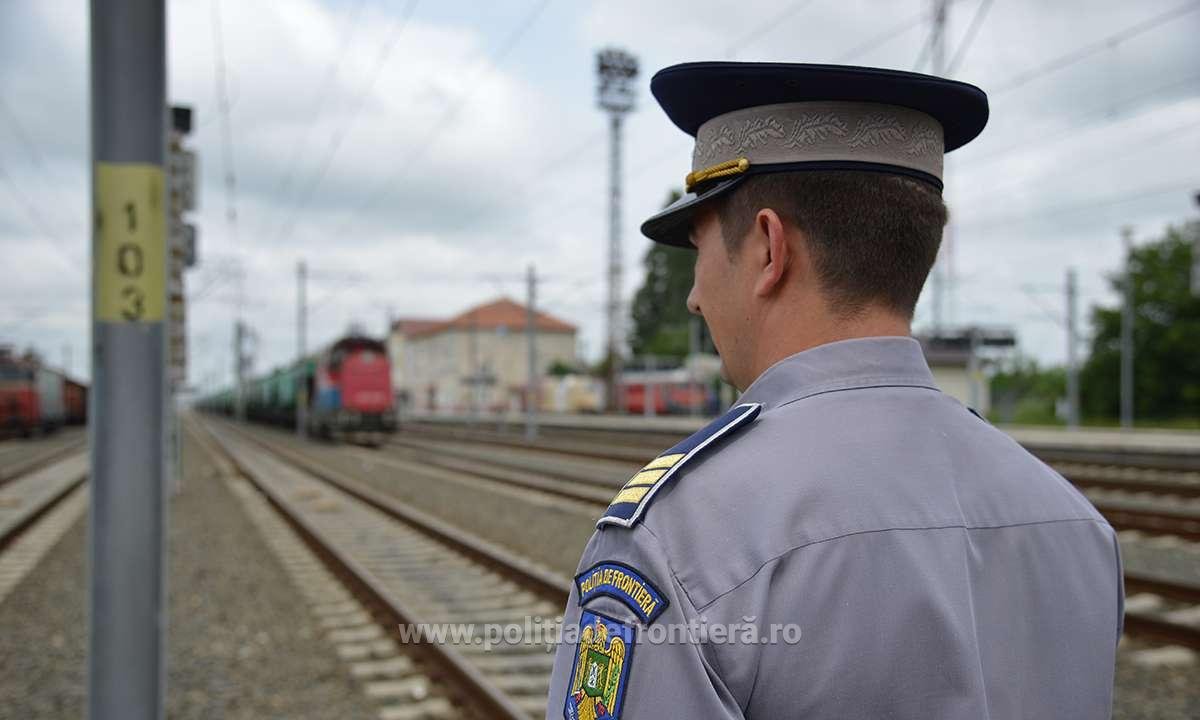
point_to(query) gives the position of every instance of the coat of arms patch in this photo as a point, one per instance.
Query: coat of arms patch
(601, 669)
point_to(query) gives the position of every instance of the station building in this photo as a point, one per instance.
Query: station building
(959, 360)
(477, 360)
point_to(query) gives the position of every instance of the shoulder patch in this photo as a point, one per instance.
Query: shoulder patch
(624, 584)
(633, 499)
(603, 656)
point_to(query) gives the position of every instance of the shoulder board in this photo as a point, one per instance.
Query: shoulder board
(633, 499)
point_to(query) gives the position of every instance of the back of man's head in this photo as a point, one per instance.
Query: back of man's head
(873, 237)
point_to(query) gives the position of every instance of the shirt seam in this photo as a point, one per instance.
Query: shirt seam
(873, 383)
(963, 526)
(683, 589)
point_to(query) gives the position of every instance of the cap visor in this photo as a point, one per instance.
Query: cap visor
(673, 224)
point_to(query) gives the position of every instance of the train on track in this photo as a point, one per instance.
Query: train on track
(343, 392)
(36, 399)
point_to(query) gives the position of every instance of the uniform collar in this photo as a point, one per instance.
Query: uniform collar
(842, 365)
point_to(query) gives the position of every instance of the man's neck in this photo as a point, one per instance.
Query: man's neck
(828, 329)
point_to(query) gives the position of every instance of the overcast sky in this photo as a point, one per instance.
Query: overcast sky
(418, 155)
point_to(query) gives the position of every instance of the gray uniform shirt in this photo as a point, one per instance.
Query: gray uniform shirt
(932, 566)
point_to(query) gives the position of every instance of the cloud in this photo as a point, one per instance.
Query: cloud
(453, 173)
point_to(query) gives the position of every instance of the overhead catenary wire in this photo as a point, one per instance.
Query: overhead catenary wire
(969, 37)
(1175, 132)
(35, 156)
(320, 98)
(342, 132)
(1069, 58)
(447, 118)
(766, 27)
(42, 229)
(1068, 208)
(891, 33)
(1110, 110)
(220, 81)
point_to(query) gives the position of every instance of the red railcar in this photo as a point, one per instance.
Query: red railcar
(35, 398)
(353, 390)
(670, 391)
(74, 402)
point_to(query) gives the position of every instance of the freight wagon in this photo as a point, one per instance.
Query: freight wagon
(37, 399)
(346, 392)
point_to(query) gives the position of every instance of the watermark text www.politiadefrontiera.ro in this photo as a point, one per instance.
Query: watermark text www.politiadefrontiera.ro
(548, 633)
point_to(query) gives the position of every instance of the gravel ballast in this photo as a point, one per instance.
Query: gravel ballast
(241, 642)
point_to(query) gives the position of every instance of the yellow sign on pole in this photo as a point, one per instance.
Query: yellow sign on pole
(130, 268)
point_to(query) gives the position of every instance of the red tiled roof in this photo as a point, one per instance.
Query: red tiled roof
(497, 314)
(410, 326)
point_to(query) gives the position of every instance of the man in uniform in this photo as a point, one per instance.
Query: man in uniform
(847, 541)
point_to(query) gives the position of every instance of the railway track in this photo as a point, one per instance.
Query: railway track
(18, 458)
(415, 571)
(37, 507)
(1170, 617)
(453, 450)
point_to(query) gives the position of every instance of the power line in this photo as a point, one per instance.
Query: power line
(884, 37)
(318, 106)
(766, 27)
(31, 148)
(343, 132)
(220, 81)
(539, 176)
(1070, 58)
(448, 117)
(39, 223)
(926, 47)
(969, 37)
(1073, 131)
(1134, 148)
(1065, 209)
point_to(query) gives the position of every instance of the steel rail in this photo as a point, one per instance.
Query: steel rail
(494, 703)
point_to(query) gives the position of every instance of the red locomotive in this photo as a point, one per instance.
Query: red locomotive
(37, 399)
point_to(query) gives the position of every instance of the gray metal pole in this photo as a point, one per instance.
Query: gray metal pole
(1072, 349)
(239, 368)
(301, 346)
(126, 678)
(938, 60)
(476, 372)
(614, 262)
(1196, 257)
(1127, 319)
(531, 389)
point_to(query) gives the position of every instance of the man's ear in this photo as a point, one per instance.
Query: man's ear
(774, 254)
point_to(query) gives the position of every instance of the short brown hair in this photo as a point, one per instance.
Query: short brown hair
(874, 236)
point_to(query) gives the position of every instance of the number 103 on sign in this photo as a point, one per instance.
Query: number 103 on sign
(130, 269)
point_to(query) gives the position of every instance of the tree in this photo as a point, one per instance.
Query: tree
(1025, 394)
(660, 316)
(1166, 336)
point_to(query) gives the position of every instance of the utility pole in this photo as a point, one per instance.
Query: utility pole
(301, 346)
(937, 51)
(617, 69)
(974, 391)
(127, 580)
(1196, 256)
(1072, 348)
(531, 386)
(239, 370)
(476, 373)
(1127, 318)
